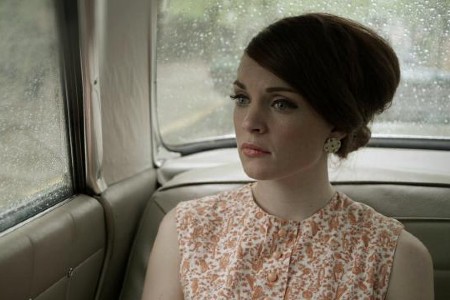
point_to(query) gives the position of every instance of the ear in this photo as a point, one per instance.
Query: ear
(339, 134)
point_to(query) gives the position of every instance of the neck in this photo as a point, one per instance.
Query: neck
(296, 197)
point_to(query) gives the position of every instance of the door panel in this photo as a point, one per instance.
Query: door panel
(58, 253)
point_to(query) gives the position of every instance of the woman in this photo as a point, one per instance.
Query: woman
(306, 87)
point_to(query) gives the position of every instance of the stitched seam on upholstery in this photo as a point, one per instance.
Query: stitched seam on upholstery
(110, 234)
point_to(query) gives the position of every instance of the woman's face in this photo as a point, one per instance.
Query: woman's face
(278, 133)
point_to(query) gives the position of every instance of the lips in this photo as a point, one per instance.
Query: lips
(252, 150)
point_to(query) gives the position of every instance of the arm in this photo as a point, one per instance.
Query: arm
(412, 272)
(162, 279)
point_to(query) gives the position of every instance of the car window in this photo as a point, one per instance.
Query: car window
(199, 44)
(34, 158)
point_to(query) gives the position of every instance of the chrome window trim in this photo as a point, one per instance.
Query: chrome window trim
(36, 216)
(410, 143)
(157, 142)
(376, 141)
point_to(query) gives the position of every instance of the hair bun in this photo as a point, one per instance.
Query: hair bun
(359, 138)
(343, 69)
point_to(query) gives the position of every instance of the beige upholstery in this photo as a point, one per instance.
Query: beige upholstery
(423, 208)
(137, 266)
(123, 203)
(50, 258)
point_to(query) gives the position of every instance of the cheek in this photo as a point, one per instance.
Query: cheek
(235, 116)
(236, 121)
(304, 138)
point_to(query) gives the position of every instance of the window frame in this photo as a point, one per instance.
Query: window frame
(66, 15)
(68, 24)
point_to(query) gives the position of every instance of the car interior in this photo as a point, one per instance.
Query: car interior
(95, 243)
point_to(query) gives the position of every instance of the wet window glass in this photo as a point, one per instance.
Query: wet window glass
(200, 43)
(34, 159)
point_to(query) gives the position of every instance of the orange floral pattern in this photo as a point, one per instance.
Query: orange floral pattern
(232, 249)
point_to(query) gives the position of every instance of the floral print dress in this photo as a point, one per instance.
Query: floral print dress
(232, 249)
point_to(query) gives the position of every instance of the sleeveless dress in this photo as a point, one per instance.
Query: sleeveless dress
(232, 249)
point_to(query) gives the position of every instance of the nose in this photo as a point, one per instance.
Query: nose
(254, 120)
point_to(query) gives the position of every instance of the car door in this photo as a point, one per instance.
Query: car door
(76, 155)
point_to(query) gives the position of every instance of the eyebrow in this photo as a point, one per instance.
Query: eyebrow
(239, 84)
(269, 89)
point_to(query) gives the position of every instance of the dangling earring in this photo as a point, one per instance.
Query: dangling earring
(332, 145)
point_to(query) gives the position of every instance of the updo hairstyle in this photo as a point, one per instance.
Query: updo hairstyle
(346, 71)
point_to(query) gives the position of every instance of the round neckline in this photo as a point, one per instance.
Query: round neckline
(259, 210)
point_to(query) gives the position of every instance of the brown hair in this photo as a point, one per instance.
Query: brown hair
(346, 71)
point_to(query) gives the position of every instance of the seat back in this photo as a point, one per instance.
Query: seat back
(424, 210)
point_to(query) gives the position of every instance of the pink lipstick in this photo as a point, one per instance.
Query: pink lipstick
(252, 150)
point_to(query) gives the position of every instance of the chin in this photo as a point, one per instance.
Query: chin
(258, 173)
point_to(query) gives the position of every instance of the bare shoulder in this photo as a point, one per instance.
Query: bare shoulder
(167, 237)
(168, 227)
(162, 280)
(412, 273)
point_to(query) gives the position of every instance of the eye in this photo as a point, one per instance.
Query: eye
(240, 100)
(283, 105)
